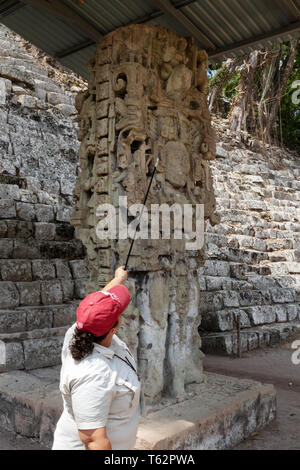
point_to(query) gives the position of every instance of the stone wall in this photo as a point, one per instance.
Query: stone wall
(42, 266)
(252, 268)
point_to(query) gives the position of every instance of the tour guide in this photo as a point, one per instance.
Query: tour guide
(98, 380)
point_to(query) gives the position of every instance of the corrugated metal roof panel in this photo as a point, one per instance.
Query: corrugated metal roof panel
(108, 15)
(231, 26)
(46, 32)
(78, 61)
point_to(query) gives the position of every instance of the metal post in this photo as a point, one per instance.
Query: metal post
(238, 327)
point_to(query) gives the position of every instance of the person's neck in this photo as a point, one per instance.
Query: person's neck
(106, 342)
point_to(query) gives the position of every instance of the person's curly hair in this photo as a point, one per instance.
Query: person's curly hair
(82, 343)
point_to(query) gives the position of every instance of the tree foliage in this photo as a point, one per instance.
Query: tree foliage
(288, 121)
(257, 90)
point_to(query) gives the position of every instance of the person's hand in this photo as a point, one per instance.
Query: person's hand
(121, 274)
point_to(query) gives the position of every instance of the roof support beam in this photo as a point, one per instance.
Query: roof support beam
(78, 47)
(144, 19)
(167, 7)
(63, 12)
(9, 6)
(290, 29)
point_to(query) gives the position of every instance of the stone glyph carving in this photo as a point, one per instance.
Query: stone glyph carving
(147, 95)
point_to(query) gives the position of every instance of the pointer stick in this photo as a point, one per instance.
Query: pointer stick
(132, 242)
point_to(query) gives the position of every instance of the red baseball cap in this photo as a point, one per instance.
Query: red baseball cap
(99, 311)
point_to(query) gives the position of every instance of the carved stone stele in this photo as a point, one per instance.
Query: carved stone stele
(147, 95)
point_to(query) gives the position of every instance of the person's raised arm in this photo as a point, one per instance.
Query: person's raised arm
(120, 277)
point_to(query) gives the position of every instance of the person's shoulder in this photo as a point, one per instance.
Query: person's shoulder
(93, 368)
(117, 342)
(67, 340)
(94, 362)
(119, 346)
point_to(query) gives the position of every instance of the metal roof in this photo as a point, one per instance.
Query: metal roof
(70, 29)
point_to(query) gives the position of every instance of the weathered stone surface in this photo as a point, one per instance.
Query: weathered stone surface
(19, 229)
(45, 231)
(35, 399)
(79, 269)
(38, 317)
(67, 286)
(9, 295)
(10, 191)
(62, 269)
(261, 314)
(29, 293)
(38, 352)
(16, 270)
(51, 292)
(6, 248)
(64, 315)
(12, 320)
(79, 288)
(43, 269)
(7, 209)
(293, 312)
(25, 211)
(195, 424)
(2, 91)
(218, 321)
(63, 214)
(14, 357)
(256, 242)
(25, 249)
(44, 213)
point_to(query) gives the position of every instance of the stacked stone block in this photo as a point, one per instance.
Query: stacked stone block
(42, 275)
(42, 266)
(252, 268)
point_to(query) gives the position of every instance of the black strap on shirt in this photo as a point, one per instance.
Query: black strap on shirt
(126, 362)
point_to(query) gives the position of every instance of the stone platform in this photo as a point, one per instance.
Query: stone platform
(223, 413)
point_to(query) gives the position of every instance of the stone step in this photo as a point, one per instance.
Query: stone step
(32, 318)
(35, 293)
(234, 270)
(246, 281)
(17, 270)
(31, 405)
(20, 204)
(214, 301)
(278, 182)
(255, 199)
(31, 349)
(288, 229)
(251, 338)
(260, 245)
(245, 217)
(21, 229)
(266, 196)
(226, 319)
(281, 268)
(30, 248)
(24, 229)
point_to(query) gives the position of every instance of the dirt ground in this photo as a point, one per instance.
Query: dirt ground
(269, 365)
(275, 366)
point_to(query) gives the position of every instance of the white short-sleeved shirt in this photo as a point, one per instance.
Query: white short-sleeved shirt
(98, 391)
